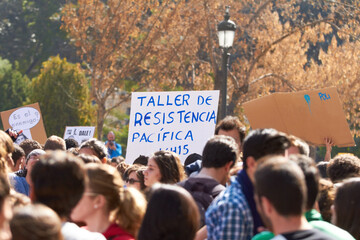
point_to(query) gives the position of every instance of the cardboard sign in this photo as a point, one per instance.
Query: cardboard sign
(80, 134)
(310, 115)
(27, 118)
(181, 122)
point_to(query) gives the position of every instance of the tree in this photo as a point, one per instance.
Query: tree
(13, 86)
(63, 94)
(284, 45)
(30, 33)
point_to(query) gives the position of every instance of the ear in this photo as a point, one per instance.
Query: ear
(228, 166)
(267, 206)
(100, 201)
(250, 162)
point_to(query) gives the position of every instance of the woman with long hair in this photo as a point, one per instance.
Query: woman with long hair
(107, 207)
(164, 167)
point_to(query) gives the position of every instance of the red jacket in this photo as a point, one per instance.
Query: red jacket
(115, 232)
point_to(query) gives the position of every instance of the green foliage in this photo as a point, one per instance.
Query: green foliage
(13, 86)
(62, 92)
(30, 33)
(118, 123)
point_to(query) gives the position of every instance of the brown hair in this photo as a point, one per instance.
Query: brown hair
(35, 222)
(326, 198)
(6, 147)
(139, 170)
(171, 214)
(55, 143)
(229, 123)
(347, 207)
(343, 166)
(170, 166)
(127, 205)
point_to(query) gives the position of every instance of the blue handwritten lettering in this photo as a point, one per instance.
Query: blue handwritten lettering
(324, 96)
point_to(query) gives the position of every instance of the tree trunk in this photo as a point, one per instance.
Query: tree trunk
(100, 120)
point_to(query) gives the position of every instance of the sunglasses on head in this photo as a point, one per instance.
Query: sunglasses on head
(131, 181)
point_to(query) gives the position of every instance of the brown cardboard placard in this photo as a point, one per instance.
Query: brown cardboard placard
(311, 115)
(27, 118)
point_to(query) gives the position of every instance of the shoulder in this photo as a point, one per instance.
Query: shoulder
(71, 231)
(331, 230)
(115, 232)
(310, 234)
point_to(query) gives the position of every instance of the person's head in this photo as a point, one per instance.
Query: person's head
(55, 143)
(346, 208)
(219, 151)
(71, 143)
(232, 127)
(134, 177)
(6, 149)
(89, 158)
(35, 222)
(5, 209)
(94, 147)
(32, 159)
(116, 161)
(58, 181)
(343, 166)
(260, 143)
(111, 136)
(322, 167)
(28, 145)
(105, 192)
(326, 198)
(280, 189)
(191, 158)
(312, 177)
(171, 214)
(141, 160)
(18, 155)
(164, 167)
(298, 146)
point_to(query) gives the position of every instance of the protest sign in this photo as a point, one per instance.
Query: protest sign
(79, 133)
(28, 119)
(311, 115)
(181, 122)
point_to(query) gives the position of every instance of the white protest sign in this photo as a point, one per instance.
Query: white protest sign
(181, 122)
(79, 133)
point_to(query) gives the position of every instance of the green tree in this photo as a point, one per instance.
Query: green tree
(13, 86)
(63, 94)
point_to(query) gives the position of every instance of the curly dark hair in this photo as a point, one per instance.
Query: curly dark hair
(343, 166)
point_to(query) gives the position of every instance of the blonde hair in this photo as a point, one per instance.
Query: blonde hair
(6, 147)
(126, 206)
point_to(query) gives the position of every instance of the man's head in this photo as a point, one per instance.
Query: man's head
(58, 181)
(219, 151)
(342, 167)
(111, 136)
(298, 146)
(280, 190)
(231, 126)
(28, 145)
(71, 143)
(312, 177)
(94, 147)
(260, 143)
(55, 143)
(18, 155)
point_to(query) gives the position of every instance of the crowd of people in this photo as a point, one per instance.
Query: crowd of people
(258, 185)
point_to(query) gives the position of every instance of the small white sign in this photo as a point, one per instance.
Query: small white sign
(181, 122)
(80, 134)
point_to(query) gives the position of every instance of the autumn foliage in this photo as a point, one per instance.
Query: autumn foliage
(283, 45)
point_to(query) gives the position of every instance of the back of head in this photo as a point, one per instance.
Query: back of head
(300, 144)
(35, 222)
(6, 148)
(282, 182)
(229, 123)
(191, 158)
(218, 151)
(71, 143)
(17, 153)
(55, 143)
(89, 158)
(170, 166)
(326, 198)
(128, 205)
(29, 144)
(171, 214)
(58, 181)
(312, 177)
(141, 160)
(98, 147)
(347, 208)
(261, 142)
(343, 166)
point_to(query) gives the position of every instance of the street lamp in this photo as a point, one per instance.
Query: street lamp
(226, 34)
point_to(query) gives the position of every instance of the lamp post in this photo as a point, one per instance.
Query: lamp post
(226, 34)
